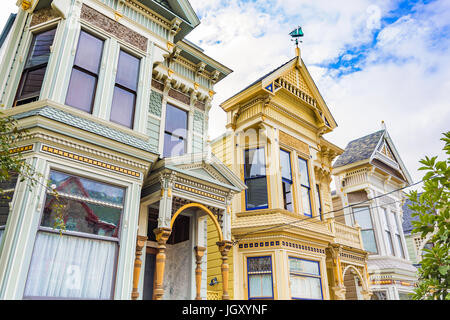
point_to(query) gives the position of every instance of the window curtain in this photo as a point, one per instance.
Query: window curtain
(71, 267)
(305, 287)
(260, 285)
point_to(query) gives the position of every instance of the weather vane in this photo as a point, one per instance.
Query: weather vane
(296, 34)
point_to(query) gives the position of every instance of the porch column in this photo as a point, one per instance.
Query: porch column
(366, 294)
(339, 292)
(224, 248)
(140, 244)
(199, 252)
(162, 235)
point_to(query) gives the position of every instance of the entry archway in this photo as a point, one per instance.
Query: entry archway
(354, 283)
(205, 209)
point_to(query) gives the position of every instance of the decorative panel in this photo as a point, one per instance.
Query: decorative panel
(155, 106)
(294, 142)
(198, 122)
(116, 29)
(43, 15)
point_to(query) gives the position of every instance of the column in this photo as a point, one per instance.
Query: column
(162, 235)
(224, 248)
(140, 244)
(199, 252)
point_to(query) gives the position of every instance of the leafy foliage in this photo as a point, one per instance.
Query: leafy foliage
(12, 164)
(432, 209)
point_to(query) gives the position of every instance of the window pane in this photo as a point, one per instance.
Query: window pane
(303, 168)
(89, 52)
(306, 201)
(122, 108)
(362, 216)
(7, 186)
(393, 220)
(255, 163)
(256, 193)
(389, 244)
(82, 216)
(176, 121)
(259, 264)
(85, 83)
(40, 48)
(304, 266)
(400, 246)
(173, 146)
(86, 188)
(260, 285)
(285, 163)
(71, 267)
(128, 71)
(32, 82)
(305, 287)
(319, 204)
(287, 196)
(368, 238)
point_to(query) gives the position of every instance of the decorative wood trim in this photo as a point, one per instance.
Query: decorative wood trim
(294, 142)
(113, 27)
(79, 158)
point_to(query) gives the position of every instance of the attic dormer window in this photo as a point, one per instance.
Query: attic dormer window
(35, 66)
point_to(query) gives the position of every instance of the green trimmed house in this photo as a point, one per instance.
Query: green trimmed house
(116, 104)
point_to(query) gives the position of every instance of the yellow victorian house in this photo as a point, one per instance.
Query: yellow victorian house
(287, 244)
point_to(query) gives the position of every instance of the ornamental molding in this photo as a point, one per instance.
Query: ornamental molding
(206, 168)
(146, 11)
(48, 138)
(89, 161)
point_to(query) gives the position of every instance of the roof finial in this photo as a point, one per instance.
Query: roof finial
(383, 125)
(297, 33)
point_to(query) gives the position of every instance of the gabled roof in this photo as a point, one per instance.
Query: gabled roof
(377, 149)
(359, 149)
(272, 82)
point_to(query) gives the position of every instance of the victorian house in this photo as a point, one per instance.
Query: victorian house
(287, 243)
(115, 102)
(369, 178)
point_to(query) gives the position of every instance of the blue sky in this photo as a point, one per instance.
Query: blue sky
(373, 61)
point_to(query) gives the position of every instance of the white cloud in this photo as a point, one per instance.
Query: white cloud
(403, 81)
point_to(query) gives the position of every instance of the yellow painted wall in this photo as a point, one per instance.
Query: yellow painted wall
(222, 151)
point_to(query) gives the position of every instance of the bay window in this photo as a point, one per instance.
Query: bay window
(84, 77)
(362, 216)
(255, 179)
(286, 179)
(305, 279)
(35, 66)
(259, 273)
(125, 90)
(305, 187)
(76, 245)
(175, 132)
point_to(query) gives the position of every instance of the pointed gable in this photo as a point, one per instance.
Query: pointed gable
(378, 150)
(294, 79)
(359, 149)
